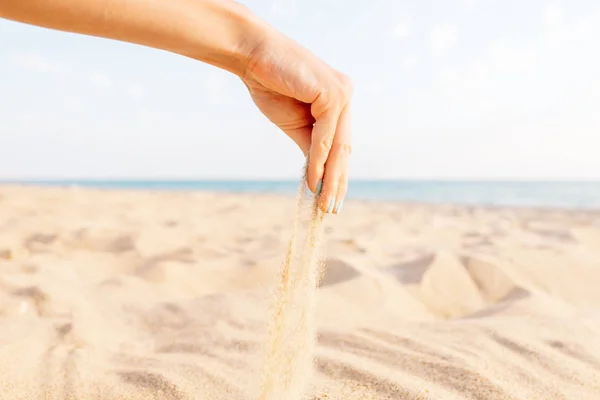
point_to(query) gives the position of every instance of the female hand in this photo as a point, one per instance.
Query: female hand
(297, 91)
(310, 102)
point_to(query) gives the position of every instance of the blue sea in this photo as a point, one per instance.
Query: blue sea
(489, 193)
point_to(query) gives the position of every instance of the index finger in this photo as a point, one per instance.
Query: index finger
(322, 137)
(335, 177)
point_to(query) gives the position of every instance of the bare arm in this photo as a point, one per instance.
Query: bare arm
(294, 89)
(221, 33)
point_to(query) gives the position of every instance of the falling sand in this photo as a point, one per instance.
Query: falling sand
(288, 365)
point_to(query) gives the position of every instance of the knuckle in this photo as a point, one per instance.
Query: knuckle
(335, 96)
(325, 144)
(344, 148)
(346, 84)
(323, 103)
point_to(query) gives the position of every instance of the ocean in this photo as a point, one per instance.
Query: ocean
(577, 195)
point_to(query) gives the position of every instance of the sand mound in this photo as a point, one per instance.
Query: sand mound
(139, 295)
(336, 271)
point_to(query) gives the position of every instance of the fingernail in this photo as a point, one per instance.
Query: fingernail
(319, 187)
(339, 207)
(331, 205)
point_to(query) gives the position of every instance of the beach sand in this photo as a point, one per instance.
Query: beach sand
(148, 295)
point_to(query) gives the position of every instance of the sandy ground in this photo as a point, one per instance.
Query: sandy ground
(140, 295)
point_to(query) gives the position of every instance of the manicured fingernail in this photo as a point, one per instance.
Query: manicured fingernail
(339, 207)
(331, 205)
(319, 188)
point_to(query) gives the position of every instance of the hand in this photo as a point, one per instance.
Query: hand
(297, 91)
(310, 102)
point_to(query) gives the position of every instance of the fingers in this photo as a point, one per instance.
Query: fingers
(335, 178)
(323, 134)
(330, 147)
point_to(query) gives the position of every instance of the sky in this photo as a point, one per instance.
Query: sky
(444, 89)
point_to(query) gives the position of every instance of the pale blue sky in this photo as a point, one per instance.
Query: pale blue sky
(444, 89)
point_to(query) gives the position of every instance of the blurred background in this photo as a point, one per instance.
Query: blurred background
(459, 101)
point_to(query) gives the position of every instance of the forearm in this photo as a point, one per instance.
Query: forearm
(219, 32)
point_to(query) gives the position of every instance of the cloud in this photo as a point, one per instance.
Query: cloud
(442, 38)
(374, 88)
(483, 86)
(217, 89)
(502, 57)
(100, 80)
(554, 15)
(470, 4)
(558, 31)
(36, 62)
(507, 58)
(409, 63)
(283, 8)
(400, 31)
(134, 90)
(74, 104)
(475, 76)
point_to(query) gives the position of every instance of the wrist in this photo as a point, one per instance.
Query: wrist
(229, 36)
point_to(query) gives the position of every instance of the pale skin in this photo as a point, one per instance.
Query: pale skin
(294, 89)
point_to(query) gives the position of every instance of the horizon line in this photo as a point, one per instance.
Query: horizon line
(281, 180)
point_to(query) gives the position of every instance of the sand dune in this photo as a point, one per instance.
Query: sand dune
(140, 295)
